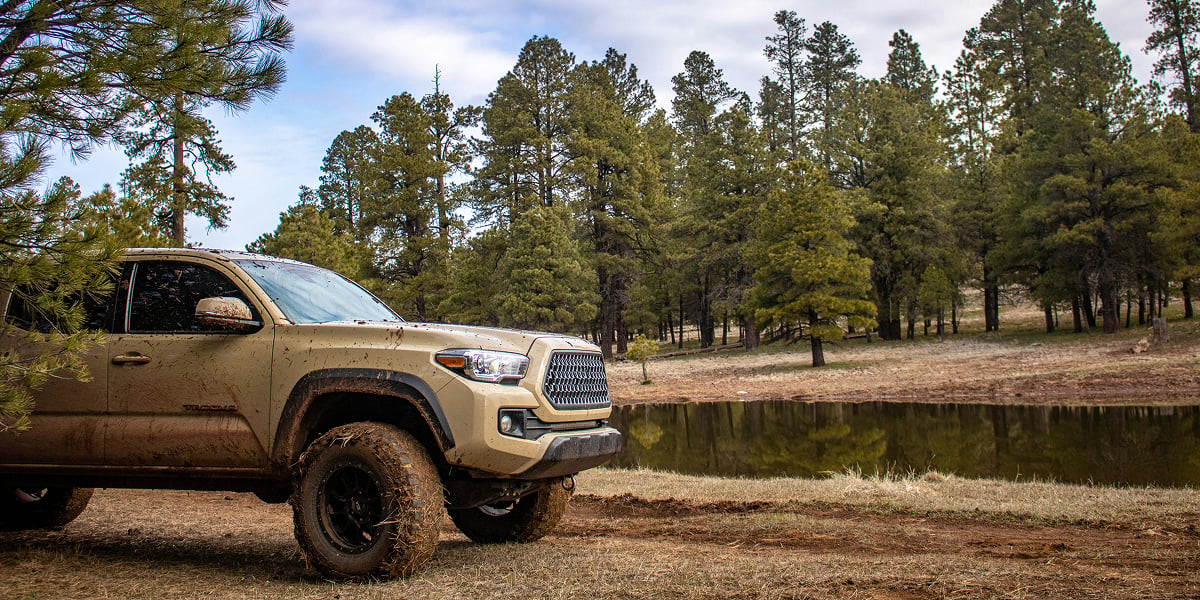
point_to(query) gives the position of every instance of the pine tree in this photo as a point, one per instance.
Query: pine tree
(700, 92)
(228, 54)
(805, 267)
(179, 156)
(1089, 153)
(832, 70)
(547, 283)
(620, 186)
(786, 51)
(1177, 41)
(525, 131)
(54, 256)
(401, 215)
(308, 234)
(973, 103)
(347, 178)
(129, 219)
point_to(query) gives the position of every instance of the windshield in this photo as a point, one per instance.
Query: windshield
(308, 294)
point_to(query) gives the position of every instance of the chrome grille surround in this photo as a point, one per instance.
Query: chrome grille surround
(576, 381)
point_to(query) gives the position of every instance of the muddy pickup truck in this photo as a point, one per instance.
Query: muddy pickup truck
(233, 371)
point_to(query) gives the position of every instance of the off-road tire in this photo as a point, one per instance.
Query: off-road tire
(525, 520)
(367, 503)
(41, 508)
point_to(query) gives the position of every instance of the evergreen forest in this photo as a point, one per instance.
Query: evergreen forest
(820, 204)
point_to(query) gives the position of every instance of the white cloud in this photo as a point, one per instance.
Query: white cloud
(392, 40)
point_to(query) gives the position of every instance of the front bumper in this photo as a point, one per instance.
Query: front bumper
(570, 454)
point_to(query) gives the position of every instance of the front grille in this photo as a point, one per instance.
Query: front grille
(576, 381)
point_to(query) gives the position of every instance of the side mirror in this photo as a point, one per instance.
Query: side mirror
(228, 314)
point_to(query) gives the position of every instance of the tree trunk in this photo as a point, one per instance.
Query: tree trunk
(991, 302)
(671, 327)
(1088, 310)
(1128, 309)
(1077, 315)
(818, 350)
(622, 334)
(1108, 307)
(1187, 298)
(1048, 309)
(912, 320)
(681, 320)
(178, 170)
(750, 339)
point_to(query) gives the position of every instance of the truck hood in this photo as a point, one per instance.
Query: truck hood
(468, 336)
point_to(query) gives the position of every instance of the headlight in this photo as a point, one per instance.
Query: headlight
(485, 365)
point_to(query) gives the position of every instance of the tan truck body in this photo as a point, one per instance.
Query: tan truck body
(236, 409)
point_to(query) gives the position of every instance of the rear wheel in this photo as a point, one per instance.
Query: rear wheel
(41, 508)
(523, 520)
(367, 503)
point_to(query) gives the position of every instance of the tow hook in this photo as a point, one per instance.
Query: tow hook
(568, 483)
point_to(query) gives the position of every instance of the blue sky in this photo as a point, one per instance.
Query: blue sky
(351, 55)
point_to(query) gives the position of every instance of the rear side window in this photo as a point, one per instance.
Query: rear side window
(24, 310)
(165, 294)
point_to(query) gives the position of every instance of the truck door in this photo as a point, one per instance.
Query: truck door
(182, 394)
(68, 418)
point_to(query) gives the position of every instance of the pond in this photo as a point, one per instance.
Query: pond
(1119, 445)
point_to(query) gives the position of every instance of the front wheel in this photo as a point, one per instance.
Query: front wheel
(523, 520)
(367, 503)
(41, 508)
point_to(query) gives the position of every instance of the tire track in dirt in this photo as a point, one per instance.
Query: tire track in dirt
(1165, 555)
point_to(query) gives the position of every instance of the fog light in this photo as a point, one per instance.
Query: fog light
(512, 423)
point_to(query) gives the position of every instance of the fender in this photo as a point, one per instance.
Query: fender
(289, 436)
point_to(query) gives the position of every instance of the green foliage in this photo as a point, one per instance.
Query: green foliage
(547, 283)
(620, 188)
(526, 127)
(1177, 41)
(786, 51)
(179, 156)
(641, 350)
(78, 73)
(307, 234)
(1082, 218)
(130, 221)
(50, 263)
(226, 53)
(805, 268)
(1040, 166)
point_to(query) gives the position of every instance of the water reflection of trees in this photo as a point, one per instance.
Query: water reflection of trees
(1101, 444)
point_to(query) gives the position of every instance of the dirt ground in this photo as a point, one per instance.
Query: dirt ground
(633, 545)
(926, 538)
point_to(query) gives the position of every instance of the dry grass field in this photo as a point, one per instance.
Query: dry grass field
(649, 535)
(1018, 364)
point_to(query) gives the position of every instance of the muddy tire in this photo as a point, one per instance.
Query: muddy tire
(367, 503)
(524, 520)
(41, 508)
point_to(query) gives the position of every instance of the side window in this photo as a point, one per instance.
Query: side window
(165, 295)
(23, 310)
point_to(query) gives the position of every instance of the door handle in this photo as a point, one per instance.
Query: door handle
(132, 358)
